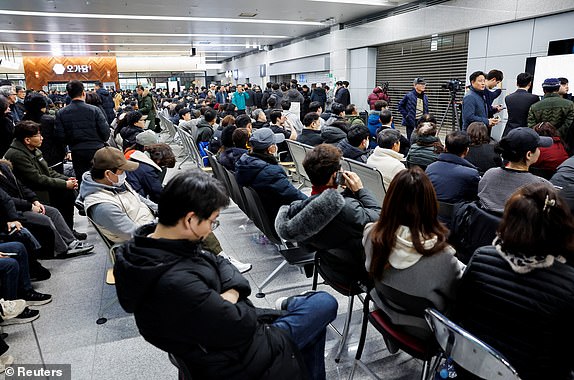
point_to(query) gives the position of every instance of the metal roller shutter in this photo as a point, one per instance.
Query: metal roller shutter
(438, 59)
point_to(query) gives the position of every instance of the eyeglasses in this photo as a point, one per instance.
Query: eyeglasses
(214, 224)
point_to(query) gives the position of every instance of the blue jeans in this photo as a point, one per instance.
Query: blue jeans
(306, 321)
(14, 271)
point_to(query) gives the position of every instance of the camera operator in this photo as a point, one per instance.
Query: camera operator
(475, 104)
(413, 105)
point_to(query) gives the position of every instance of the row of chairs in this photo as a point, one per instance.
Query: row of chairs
(249, 202)
(371, 177)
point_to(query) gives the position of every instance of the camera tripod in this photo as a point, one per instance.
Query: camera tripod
(452, 106)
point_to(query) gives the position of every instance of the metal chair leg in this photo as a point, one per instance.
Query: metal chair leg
(101, 319)
(270, 278)
(345, 329)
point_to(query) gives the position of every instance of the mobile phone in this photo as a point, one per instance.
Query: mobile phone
(9, 254)
(340, 179)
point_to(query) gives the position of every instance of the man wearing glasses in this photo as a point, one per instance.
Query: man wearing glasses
(195, 305)
(9, 92)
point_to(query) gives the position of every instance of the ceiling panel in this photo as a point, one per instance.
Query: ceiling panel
(270, 24)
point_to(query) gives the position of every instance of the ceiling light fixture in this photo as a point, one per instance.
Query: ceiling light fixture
(109, 44)
(64, 33)
(207, 52)
(379, 3)
(156, 18)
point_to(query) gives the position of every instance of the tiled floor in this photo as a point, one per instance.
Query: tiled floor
(66, 331)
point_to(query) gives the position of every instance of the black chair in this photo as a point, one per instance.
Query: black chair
(184, 373)
(297, 152)
(371, 177)
(445, 212)
(292, 255)
(346, 284)
(396, 337)
(236, 191)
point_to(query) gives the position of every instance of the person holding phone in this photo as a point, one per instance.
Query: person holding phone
(330, 219)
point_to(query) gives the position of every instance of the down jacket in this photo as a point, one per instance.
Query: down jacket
(107, 104)
(332, 220)
(377, 94)
(527, 317)
(217, 339)
(82, 126)
(268, 179)
(408, 108)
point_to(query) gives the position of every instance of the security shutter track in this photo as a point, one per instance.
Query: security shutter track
(437, 59)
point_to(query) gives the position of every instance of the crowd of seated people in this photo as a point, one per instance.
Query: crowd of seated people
(385, 247)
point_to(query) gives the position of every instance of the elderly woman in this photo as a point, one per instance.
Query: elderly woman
(426, 148)
(518, 294)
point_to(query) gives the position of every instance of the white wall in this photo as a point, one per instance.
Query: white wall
(362, 72)
(505, 47)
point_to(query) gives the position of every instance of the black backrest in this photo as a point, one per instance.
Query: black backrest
(260, 217)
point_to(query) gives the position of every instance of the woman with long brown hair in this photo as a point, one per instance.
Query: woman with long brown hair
(406, 249)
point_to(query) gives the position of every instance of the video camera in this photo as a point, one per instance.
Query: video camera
(452, 85)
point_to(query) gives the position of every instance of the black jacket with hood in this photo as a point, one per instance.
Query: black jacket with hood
(174, 289)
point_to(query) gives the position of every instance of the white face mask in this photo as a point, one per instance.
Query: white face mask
(121, 180)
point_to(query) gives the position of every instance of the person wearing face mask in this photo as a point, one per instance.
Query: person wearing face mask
(111, 202)
(260, 170)
(117, 209)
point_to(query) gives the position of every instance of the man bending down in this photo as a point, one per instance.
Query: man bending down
(205, 316)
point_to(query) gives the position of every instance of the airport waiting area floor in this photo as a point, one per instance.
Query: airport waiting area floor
(67, 333)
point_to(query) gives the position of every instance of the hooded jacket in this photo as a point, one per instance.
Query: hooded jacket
(174, 289)
(146, 107)
(230, 156)
(377, 94)
(118, 211)
(107, 104)
(332, 220)
(333, 134)
(294, 95)
(268, 179)
(204, 131)
(147, 178)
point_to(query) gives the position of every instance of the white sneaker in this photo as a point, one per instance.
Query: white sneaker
(11, 309)
(5, 361)
(241, 267)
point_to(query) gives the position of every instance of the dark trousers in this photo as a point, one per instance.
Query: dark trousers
(64, 201)
(82, 162)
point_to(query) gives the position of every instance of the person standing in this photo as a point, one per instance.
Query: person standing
(82, 127)
(414, 105)
(146, 106)
(107, 101)
(342, 94)
(475, 103)
(239, 98)
(518, 103)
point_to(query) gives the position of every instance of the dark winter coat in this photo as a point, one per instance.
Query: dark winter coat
(31, 168)
(129, 134)
(107, 104)
(319, 95)
(22, 196)
(216, 338)
(230, 156)
(332, 220)
(146, 106)
(310, 137)
(6, 134)
(294, 96)
(527, 317)
(483, 157)
(408, 108)
(147, 178)
(474, 108)
(425, 151)
(343, 96)
(204, 131)
(82, 126)
(53, 149)
(353, 152)
(268, 179)
(454, 178)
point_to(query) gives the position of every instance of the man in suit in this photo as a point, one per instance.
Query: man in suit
(518, 103)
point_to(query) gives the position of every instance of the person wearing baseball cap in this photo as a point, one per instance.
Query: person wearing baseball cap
(520, 149)
(109, 200)
(260, 170)
(414, 105)
(553, 108)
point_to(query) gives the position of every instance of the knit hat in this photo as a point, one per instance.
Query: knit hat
(551, 83)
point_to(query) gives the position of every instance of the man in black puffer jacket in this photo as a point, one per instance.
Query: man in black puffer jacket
(82, 127)
(194, 304)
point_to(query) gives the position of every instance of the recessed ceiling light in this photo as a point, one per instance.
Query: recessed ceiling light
(107, 44)
(67, 33)
(247, 14)
(157, 18)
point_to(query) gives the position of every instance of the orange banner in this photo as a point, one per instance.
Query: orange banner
(40, 71)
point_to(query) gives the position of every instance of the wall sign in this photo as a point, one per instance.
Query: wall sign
(40, 71)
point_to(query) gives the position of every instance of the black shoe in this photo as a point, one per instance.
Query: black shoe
(33, 298)
(39, 273)
(80, 235)
(28, 315)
